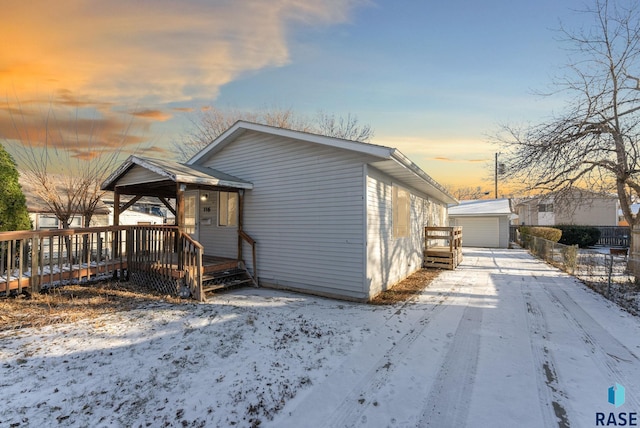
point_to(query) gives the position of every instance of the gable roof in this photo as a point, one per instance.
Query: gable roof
(391, 161)
(167, 173)
(481, 207)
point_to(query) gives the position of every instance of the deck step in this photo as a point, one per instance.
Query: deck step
(224, 279)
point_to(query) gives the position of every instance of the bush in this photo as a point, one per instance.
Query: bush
(549, 233)
(582, 236)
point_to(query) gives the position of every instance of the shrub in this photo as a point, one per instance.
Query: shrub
(582, 236)
(549, 233)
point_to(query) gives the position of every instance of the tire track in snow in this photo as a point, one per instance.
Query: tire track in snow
(350, 411)
(354, 405)
(552, 398)
(448, 401)
(617, 361)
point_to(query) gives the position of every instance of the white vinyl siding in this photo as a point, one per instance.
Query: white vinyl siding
(390, 260)
(305, 212)
(138, 174)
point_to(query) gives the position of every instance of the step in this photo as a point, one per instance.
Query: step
(233, 283)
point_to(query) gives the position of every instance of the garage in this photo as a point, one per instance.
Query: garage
(479, 231)
(485, 222)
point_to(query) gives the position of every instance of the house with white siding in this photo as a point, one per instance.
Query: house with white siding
(328, 216)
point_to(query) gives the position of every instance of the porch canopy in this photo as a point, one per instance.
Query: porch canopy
(165, 179)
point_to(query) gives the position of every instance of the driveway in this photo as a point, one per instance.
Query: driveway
(503, 341)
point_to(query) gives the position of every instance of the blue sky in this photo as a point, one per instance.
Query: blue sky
(433, 79)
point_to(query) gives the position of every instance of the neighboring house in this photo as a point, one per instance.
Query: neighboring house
(146, 211)
(578, 207)
(43, 218)
(485, 222)
(330, 216)
(621, 220)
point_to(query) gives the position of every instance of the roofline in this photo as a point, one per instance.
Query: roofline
(108, 184)
(382, 152)
(242, 126)
(409, 164)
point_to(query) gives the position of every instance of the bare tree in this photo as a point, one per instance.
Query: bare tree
(462, 193)
(346, 128)
(594, 143)
(65, 160)
(207, 125)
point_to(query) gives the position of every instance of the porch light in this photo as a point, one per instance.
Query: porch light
(204, 197)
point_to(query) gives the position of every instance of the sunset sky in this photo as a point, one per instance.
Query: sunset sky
(434, 79)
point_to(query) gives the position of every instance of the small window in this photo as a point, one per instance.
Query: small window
(228, 209)
(545, 208)
(401, 212)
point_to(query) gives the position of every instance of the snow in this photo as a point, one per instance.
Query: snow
(481, 207)
(505, 340)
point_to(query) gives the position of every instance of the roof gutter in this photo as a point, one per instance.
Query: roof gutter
(397, 156)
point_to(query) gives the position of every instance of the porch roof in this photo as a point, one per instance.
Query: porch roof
(158, 177)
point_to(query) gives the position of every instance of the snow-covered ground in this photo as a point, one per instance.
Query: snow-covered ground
(503, 341)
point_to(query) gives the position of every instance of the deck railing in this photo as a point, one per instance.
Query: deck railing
(30, 259)
(442, 247)
(169, 258)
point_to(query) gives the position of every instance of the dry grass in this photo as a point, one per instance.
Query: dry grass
(407, 288)
(73, 302)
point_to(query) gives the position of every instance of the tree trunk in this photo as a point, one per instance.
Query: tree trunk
(633, 263)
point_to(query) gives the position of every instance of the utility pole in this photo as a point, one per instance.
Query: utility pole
(496, 176)
(500, 169)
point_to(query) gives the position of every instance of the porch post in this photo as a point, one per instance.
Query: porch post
(180, 188)
(115, 237)
(240, 221)
(116, 207)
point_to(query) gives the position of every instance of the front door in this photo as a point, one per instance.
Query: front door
(191, 219)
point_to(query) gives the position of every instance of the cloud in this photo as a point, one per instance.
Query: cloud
(153, 114)
(69, 132)
(159, 50)
(446, 159)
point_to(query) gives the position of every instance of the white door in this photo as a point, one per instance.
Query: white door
(480, 231)
(191, 220)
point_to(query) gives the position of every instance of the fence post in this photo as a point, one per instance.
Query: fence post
(34, 280)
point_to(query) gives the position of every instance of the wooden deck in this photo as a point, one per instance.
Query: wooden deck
(443, 247)
(17, 281)
(161, 257)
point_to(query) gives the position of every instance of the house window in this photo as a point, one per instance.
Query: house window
(47, 221)
(401, 212)
(228, 209)
(545, 208)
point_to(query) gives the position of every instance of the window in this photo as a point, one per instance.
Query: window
(401, 211)
(228, 209)
(545, 208)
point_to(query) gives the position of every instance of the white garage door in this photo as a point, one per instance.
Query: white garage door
(480, 231)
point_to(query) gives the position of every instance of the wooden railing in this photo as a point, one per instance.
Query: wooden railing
(30, 260)
(442, 247)
(243, 237)
(191, 265)
(443, 236)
